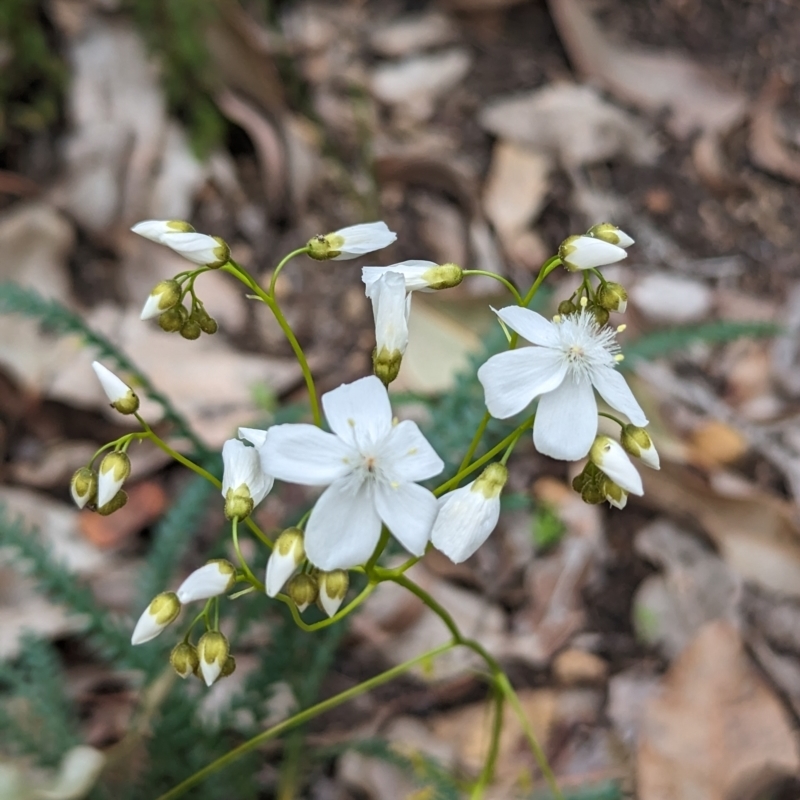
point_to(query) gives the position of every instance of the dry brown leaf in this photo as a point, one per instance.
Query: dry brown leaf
(768, 150)
(715, 444)
(714, 726)
(757, 535)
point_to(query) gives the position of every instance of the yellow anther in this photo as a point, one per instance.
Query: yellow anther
(621, 328)
(557, 318)
(619, 357)
(584, 302)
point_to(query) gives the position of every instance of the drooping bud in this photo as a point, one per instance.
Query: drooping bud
(566, 307)
(244, 483)
(114, 504)
(121, 396)
(637, 442)
(390, 307)
(587, 252)
(611, 234)
(600, 314)
(351, 242)
(216, 577)
(614, 494)
(163, 609)
(206, 322)
(612, 460)
(114, 470)
(184, 659)
(172, 321)
(287, 555)
(229, 667)
(333, 588)
(386, 365)
(165, 295)
(612, 297)
(83, 486)
(422, 276)
(157, 229)
(213, 651)
(303, 590)
(191, 329)
(468, 515)
(589, 484)
(199, 248)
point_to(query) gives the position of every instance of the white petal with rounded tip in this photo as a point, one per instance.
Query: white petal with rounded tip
(329, 604)
(199, 248)
(255, 436)
(566, 421)
(114, 388)
(107, 486)
(412, 272)
(146, 628)
(464, 522)
(512, 379)
(153, 229)
(408, 511)
(589, 253)
(529, 325)
(364, 238)
(344, 527)
(358, 412)
(242, 465)
(625, 241)
(650, 457)
(409, 453)
(304, 454)
(614, 389)
(615, 463)
(279, 569)
(210, 672)
(79, 501)
(151, 308)
(621, 503)
(208, 581)
(390, 310)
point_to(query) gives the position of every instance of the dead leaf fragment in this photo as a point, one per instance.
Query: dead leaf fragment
(715, 725)
(411, 34)
(767, 147)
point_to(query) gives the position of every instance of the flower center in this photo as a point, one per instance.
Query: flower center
(585, 345)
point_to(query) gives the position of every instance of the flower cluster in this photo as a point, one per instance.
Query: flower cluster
(370, 467)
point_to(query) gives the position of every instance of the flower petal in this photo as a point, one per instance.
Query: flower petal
(412, 271)
(242, 465)
(408, 455)
(566, 421)
(464, 522)
(512, 379)
(614, 389)
(115, 388)
(359, 412)
(390, 309)
(364, 238)
(301, 453)
(528, 324)
(408, 510)
(255, 436)
(344, 527)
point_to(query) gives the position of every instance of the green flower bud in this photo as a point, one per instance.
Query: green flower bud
(238, 503)
(303, 589)
(213, 651)
(333, 588)
(229, 667)
(566, 307)
(173, 320)
(601, 315)
(206, 322)
(83, 486)
(614, 494)
(637, 442)
(115, 504)
(114, 471)
(191, 329)
(443, 276)
(184, 659)
(386, 365)
(612, 297)
(164, 295)
(611, 234)
(163, 610)
(324, 248)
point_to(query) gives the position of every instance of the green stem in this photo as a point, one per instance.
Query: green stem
(494, 746)
(232, 268)
(510, 448)
(546, 269)
(340, 614)
(259, 534)
(510, 286)
(301, 718)
(245, 568)
(611, 417)
(284, 261)
(382, 542)
(473, 445)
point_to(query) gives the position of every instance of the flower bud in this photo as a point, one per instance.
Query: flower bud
(586, 252)
(611, 234)
(612, 297)
(206, 322)
(184, 659)
(114, 504)
(443, 276)
(386, 365)
(172, 321)
(213, 651)
(637, 442)
(566, 307)
(191, 329)
(333, 587)
(229, 667)
(208, 251)
(114, 470)
(287, 555)
(600, 314)
(612, 460)
(121, 396)
(156, 229)
(216, 577)
(303, 590)
(164, 296)
(615, 495)
(163, 609)
(351, 242)
(83, 486)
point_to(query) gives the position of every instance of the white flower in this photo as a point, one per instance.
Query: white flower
(199, 248)
(422, 276)
(163, 609)
(287, 555)
(212, 579)
(369, 466)
(572, 357)
(611, 234)
(244, 482)
(114, 470)
(165, 295)
(638, 443)
(351, 242)
(468, 515)
(119, 394)
(156, 229)
(613, 461)
(588, 252)
(390, 307)
(212, 651)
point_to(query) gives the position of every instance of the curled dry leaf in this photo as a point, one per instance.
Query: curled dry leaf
(714, 726)
(768, 150)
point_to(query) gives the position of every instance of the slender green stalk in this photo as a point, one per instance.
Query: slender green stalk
(382, 542)
(339, 615)
(546, 269)
(611, 417)
(284, 261)
(300, 719)
(473, 445)
(510, 286)
(494, 746)
(244, 565)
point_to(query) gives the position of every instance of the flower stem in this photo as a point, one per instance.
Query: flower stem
(341, 614)
(494, 746)
(284, 261)
(510, 286)
(245, 567)
(301, 718)
(232, 268)
(611, 417)
(546, 269)
(473, 445)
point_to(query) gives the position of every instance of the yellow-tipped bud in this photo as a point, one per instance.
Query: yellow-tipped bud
(491, 481)
(303, 590)
(164, 295)
(611, 234)
(637, 442)
(614, 494)
(386, 365)
(612, 297)
(184, 659)
(114, 471)
(83, 487)
(443, 276)
(213, 651)
(333, 588)
(163, 610)
(287, 555)
(324, 248)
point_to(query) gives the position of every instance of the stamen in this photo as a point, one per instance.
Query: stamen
(621, 328)
(619, 357)
(584, 302)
